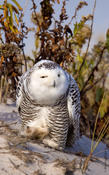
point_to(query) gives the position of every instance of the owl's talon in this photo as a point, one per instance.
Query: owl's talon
(52, 143)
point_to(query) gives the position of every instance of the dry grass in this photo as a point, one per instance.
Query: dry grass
(101, 134)
(4, 86)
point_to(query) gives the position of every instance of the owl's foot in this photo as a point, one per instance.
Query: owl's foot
(33, 132)
(51, 143)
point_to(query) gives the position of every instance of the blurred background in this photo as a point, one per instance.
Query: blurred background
(101, 19)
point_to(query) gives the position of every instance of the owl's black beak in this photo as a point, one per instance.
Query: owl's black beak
(54, 84)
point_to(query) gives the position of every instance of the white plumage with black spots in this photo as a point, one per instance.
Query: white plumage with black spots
(48, 102)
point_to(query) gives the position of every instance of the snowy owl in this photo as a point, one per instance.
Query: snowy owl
(48, 102)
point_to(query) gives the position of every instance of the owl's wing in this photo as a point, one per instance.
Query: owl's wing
(73, 103)
(19, 93)
(19, 90)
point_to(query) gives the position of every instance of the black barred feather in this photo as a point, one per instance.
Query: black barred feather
(63, 117)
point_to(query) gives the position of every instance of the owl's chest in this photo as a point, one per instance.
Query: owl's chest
(43, 112)
(40, 118)
(33, 113)
(51, 113)
(54, 118)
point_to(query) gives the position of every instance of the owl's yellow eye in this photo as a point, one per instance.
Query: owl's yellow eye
(44, 76)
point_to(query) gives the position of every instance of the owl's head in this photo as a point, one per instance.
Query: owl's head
(48, 82)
